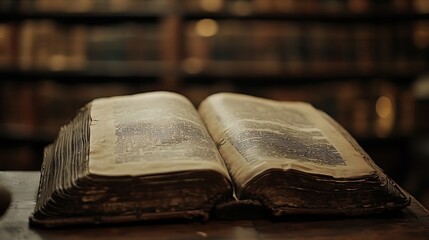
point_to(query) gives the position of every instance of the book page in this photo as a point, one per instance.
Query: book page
(254, 135)
(149, 133)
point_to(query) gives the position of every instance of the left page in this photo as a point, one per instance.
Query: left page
(149, 133)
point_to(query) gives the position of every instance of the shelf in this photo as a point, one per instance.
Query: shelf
(251, 72)
(97, 72)
(85, 17)
(111, 17)
(378, 141)
(235, 71)
(382, 17)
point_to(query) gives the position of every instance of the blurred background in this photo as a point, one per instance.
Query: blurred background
(364, 62)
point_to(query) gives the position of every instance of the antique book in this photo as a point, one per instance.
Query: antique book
(154, 156)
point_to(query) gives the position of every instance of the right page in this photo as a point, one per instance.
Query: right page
(294, 158)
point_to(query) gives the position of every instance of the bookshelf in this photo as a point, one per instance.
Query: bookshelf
(356, 59)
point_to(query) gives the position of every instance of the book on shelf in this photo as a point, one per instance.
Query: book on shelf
(305, 48)
(50, 46)
(154, 156)
(6, 43)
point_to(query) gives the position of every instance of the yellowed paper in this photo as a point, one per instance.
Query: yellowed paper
(150, 133)
(257, 134)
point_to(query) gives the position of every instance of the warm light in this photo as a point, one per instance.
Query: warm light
(206, 27)
(421, 87)
(211, 5)
(383, 107)
(386, 116)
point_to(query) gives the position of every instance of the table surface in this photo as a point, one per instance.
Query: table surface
(410, 223)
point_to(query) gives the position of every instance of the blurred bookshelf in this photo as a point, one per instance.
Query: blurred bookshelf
(364, 62)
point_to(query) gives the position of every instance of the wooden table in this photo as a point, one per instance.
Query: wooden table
(410, 223)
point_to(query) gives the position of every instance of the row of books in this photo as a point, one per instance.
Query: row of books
(46, 45)
(95, 6)
(225, 46)
(273, 47)
(240, 7)
(247, 7)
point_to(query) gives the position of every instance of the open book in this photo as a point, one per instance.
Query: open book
(154, 156)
